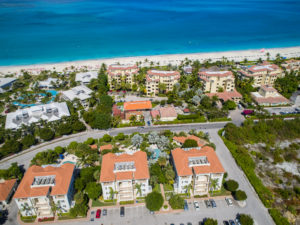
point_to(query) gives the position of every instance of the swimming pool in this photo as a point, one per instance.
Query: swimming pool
(52, 92)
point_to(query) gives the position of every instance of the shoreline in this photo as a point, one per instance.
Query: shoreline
(174, 59)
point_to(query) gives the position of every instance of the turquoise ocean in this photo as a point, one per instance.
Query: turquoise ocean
(47, 31)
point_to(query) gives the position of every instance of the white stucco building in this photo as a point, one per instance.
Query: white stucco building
(86, 77)
(81, 92)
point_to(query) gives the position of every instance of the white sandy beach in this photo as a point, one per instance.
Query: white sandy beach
(174, 59)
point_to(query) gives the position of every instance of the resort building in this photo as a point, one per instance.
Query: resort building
(291, 65)
(227, 95)
(156, 77)
(82, 93)
(6, 83)
(7, 189)
(167, 113)
(136, 108)
(49, 112)
(195, 169)
(86, 77)
(125, 177)
(179, 140)
(217, 81)
(268, 96)
(264, 74)
(48, 84)
(121, 73)
(187, 69)
(43, 187)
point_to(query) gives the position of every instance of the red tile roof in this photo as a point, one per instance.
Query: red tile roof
(122, 67)
(140, 162)
(5, 188)
(168, 111)
(63, 176)
(93, 146)
(163, 73)
(106, 147)
(268, 88)
(182, 139)
(226, 95)
(137, 105)
(215, 74)
(154, 114)
(181, 161)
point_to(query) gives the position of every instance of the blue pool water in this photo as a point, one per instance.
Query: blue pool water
(52, 92)
(156, 154)
(44, 31)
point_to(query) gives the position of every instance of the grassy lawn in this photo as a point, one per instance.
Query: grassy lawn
(28, 219)
(67, 216)
(222, 192)
(168, 187)
(157, 188)
(97, 203)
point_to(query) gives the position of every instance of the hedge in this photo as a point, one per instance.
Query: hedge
(126, 202)
(200, 119)
(278, 218)
(185, 117)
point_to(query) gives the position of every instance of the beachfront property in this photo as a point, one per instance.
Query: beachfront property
(86, 77)
(48, 84)
(125, 176)
(6, 83)
(179, 140)
(121, 73)
(49, 112)
(81, 92)
(195, 169)
(262, 74)
(136, 108)
(187, 69)
(217, 81)
(7, 189)
(268, 96)
(227, 95)
(167, 113)
(291, 65)
(43, 187)
(156, 77)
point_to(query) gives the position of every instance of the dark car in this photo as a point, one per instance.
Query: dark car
(186, 207)
(213, 203)
(148, 122)
(104, 212)
(231, 222)
(122, 211)
(207, 203)
(98, 213)
(225, 222)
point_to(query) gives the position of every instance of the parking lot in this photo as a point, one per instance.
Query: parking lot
(141, 215)
(284, 110)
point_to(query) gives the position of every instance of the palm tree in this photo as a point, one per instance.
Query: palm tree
(26, 208)
(112, 193)
(214, 184)
(162, 161)
(188, 188)
(138, 188)
(268, 56)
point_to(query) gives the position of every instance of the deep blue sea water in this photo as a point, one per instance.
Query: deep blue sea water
(44, 31)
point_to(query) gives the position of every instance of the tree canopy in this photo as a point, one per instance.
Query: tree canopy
(154, 201)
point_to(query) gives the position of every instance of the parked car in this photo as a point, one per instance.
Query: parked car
(186, 207)
(229, 201)
(231, 222)
(148, 122)
(207, 203)
(237, 221)
(213, 203)
(92, 215)
(98, 213)
(122, 211)
(225, 222)
(196, 205)
(104, 212)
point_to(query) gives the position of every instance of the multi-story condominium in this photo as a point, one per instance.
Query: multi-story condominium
(86, 77)
(214, 81)
(156, 77)
(48, 112)
(43, 187)
(195, 169)
(268, 96)
(291, 65)
(121, 73)
(7, 188)
(264, 74)
(49, 83)
(81, 92)
(125, 177)
(6, 83)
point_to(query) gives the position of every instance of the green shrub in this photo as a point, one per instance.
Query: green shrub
(126, 202)
(190, 143)
(246, 219)
(187, 117)
(165, 206)
(176, 202)
(240, 195)
(231, 185)
(154, 201)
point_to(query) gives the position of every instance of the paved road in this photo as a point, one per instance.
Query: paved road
(141, 215)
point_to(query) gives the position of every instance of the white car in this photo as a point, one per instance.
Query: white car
(229, 201)
(196, 205)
